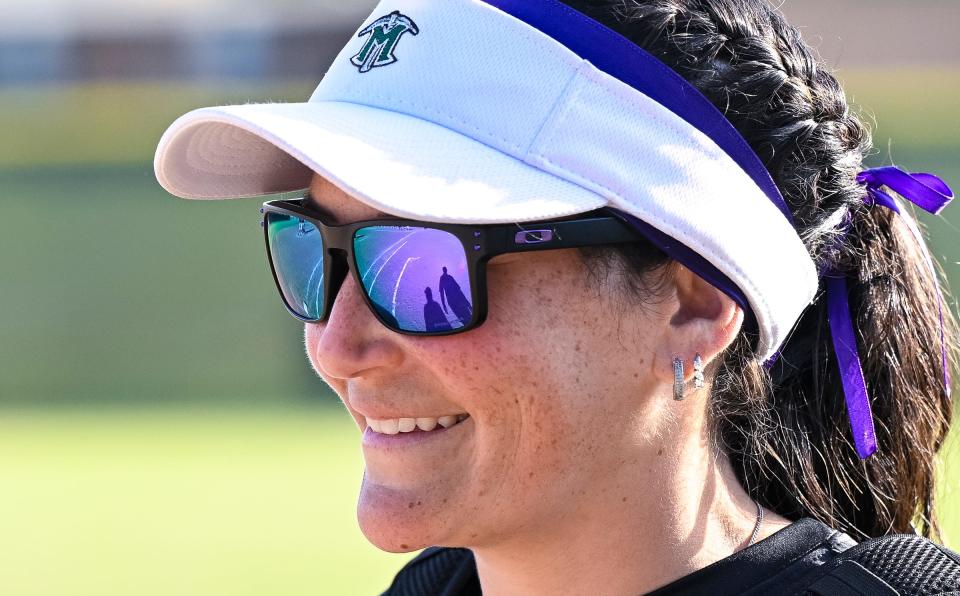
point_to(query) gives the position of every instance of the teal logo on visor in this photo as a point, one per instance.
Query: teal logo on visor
(384, 34)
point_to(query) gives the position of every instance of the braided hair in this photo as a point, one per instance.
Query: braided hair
(785, 429)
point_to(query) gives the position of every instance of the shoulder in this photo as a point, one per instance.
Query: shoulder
(437, 570)
(832, 564)
(896, 564)
(810, 558)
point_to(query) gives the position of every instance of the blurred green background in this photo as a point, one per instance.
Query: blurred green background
(161, 431)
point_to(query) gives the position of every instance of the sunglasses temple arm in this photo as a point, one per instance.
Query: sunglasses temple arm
(562, 234)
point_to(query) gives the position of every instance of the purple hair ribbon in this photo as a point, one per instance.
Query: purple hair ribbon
(931, 194)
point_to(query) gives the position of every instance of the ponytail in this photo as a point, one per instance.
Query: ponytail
(785, 428)
(799, 456)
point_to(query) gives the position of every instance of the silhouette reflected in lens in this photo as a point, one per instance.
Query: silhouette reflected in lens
(433, 316)
(450, 293)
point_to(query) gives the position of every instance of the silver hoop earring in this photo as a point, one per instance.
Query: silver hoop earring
(677, 379)
(698, 372)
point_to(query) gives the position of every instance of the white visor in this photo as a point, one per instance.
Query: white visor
(455, 111)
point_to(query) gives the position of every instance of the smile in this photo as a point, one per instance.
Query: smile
(393, 426)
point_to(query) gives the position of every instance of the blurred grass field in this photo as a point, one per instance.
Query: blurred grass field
(197, 501)
(247, 501)
(161, 431)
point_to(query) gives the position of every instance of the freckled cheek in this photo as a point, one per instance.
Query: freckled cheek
(552, 448)
(514, 362)
(486, 354)
(487, 371)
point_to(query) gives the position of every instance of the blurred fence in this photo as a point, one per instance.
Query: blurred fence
(70, 41)
(254, 55)
(296, 40)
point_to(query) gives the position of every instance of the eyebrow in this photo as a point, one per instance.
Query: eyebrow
(329, 215)
(313, 204)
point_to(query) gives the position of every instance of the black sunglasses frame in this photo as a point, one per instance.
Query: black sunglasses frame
(480, 243)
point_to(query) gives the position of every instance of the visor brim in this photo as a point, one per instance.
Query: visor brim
(394, 162)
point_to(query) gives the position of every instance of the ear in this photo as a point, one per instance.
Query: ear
(699, 319)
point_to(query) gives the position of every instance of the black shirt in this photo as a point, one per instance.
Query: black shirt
(766, 567)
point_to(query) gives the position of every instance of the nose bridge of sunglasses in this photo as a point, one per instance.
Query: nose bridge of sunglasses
(339, 267)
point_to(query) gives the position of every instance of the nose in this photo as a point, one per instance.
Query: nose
(352, 343)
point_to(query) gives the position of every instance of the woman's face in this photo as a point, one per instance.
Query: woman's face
(557, 384)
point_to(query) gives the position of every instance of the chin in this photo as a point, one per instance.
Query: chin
(400, 521)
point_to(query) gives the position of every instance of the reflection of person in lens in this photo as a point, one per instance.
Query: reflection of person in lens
(433, 315)
(450, 293)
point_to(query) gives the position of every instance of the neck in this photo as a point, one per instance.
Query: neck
(682, 512)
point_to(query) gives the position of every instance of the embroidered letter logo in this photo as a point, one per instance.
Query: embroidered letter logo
(384, 34)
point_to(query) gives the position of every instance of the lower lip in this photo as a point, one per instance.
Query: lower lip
(416, 437)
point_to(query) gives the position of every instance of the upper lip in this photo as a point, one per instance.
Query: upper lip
(378, 409)
(397, 416)
(383, 414)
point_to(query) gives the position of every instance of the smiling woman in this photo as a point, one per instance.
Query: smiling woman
(538, 400)
(598, 335)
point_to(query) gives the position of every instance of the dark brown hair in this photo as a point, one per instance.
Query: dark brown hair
(785, 429)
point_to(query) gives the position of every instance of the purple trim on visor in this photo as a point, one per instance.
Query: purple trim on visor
(622, 59)
(692, 260)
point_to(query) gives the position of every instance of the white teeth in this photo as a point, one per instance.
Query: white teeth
(427, 424)
(392, 426)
